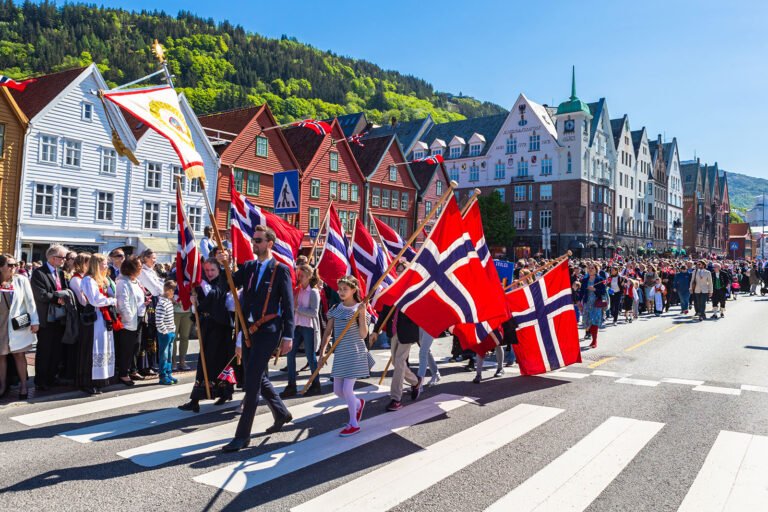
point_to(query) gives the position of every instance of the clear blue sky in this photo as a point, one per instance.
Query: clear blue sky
(693, 69)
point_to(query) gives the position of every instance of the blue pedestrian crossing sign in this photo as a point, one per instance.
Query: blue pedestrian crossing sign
(649, 245)
(286, 192)
(734, 246)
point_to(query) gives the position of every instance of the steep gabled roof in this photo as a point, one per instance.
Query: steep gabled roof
(596, 109)
(637, 139)
(369, 156)
(407, 133)
(43, 90)
(712, 175)
(723, 181)
(423, 174)
(617, 126)
(739, 230)
(487, 126)
(232, 121)
(689, 173)
(669, 151)
(304, 144)
(351, 124)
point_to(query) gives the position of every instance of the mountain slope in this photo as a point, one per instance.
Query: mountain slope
(744, 189)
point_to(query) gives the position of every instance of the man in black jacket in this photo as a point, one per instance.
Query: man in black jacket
(48, 286)
(720, 281)
(262, 280)
(403, 333)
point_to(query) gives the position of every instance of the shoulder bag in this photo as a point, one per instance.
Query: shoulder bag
(255, 326)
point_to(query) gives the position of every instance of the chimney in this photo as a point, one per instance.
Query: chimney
(393, 121)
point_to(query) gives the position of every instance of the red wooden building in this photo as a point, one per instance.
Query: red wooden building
(432, 181)
(248, 154)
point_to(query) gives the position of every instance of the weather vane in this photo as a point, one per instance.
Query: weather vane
(159, 51)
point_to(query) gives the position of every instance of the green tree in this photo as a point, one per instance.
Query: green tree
(497, 220)
(736, 218)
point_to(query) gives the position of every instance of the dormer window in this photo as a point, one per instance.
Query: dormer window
(437, 151)
(474, 149)
(511, 146)
(418, 155)
(534, 142)
(455, 152)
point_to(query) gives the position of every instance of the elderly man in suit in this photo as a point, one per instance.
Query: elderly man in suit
(701, 288)
(48, 284)
(267, 303)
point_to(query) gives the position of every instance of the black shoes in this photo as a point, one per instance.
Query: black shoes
(289, 391)
(314, 388)
(192, 405)
(222, 400)
(278, 425)
(128, 382)
(236, 444)
(416, 390)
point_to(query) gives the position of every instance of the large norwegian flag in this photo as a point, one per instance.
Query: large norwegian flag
(6, 81)
(189, 271)
(334, 262)
(246, 216)
(392, 241)
(319, 127)
(547, 333)
(445, 284)
(369, 259)
(484, 336)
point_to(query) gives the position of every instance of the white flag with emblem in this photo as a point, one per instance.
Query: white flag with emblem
(158, 108)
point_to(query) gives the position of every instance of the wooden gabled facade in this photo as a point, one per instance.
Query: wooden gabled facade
(432, 181)
(13, 124)
(249, 153)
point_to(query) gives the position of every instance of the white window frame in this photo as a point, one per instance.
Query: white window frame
(418, 155)
(395, 200)
(534, 142)
(542, 196)
(519, 220)
(375, 197)
(511, 146)
(176, 170)
(262, 143)
(73, 148)
(393, 174)
(158, 171)
(107, 203)
(333, 161)
(501, 171)
(314, 188)
(474, 172)
(314, 218)
(385, 198)
(194, 185)
(354, 193)
(68, 198)
(546, 167)
(145, 210)
(333, 189)
(195, 218)
(172, 218)
(87, 108)
(519, 193)
(404, 199)
(344, 191)
(545, 219)
(455, 151)
(48, 194)
(439, 188)
(108, 155)
(522, 169)
(475, 149)
(453, 174)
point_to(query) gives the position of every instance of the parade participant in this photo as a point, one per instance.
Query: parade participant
(97, 344)
(69, 265)
(628, 299)
(18, 322)
(350, 359)
(659, 296)
(649, 281)
(166, 332)
(499, 352)
(682, 285)
(307, 329)
(48, 287)
(116, 258)
(268, 308)
(754, 279)
(592, 299)
(426, 359)
(183, 319)
(131, 305)
(206, 244)
(615, 287)
(216, 327)
(146, 357)
(720, 281)
(701, 288)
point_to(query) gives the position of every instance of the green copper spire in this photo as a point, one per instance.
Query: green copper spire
(573, 105)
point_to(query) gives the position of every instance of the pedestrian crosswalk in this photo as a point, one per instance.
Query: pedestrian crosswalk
(733, 476)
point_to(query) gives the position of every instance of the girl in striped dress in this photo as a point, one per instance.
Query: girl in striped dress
(350, 359)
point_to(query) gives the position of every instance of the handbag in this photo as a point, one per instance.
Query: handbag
(600, 303)
(88, 316)
(21, 322)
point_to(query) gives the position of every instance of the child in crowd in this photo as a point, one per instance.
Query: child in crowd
(166, 332)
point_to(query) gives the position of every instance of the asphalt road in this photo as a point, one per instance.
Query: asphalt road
(665, 414)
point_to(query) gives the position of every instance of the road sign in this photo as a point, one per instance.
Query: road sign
(649, 245)
(286, 192)
(734, 246)
(313, 232)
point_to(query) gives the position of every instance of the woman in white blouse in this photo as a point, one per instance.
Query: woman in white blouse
(131, 304)
(79, 269)
(149, 279)
(97, 360)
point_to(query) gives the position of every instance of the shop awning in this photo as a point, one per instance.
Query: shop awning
(158, 244)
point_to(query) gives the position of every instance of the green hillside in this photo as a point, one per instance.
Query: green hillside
(218, 66)
(743, 189)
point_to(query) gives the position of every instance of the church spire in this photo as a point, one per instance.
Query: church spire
(574, 104)
(573, 83)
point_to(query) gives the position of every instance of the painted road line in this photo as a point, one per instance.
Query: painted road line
(638, 382)
(684, 382)
(573, 480)
(567, 375)
(640, 344)
(398, 481)
(601, 362)
(670, 329)
(758, 389)
(209, 439)
(102, 405)
(718, 389)
(734, 476)
(266, 467)
(605, 373)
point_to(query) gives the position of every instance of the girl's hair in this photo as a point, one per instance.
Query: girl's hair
(81, 262)
(94, 269)
(314, 280)
(131, 266)
(351, 282)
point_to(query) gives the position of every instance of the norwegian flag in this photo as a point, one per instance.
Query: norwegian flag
(189, 271)
(319, 127)
(369, 259)
(431, 160)
(357, 139)
(9, 82)
(228, 375)
(547, 333)
(246, 216)
(445, 284)
(335, 260)
(392, 240)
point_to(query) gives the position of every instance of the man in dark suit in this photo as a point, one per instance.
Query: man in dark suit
(47, 284)
(256, 278)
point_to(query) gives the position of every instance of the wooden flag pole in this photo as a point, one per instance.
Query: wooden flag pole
(471, 201)
(227, 270)
(322, 224)
(546, 266)
(446, 195)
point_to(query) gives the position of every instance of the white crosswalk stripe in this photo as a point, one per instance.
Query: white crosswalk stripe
(734, 477)
(412, 474)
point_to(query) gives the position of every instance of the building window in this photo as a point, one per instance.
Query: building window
(105, 206)
(352, 217)
(393, 174)
(474, 173)
(252, 184)
(376, 196)
(403, 230)
(108, 161)
(439, 187)
(314, 189)
(194, 185)
(395, 199)
(437, 151)
(195, 218)
(520, 221)
(545, 192)
(511, 146)
(502, 193)
(153, 175)
(404, 201)
(314, 218)
(333, 189)
(237, 175)
(455, 151)
(151, 215)
(68, 202)
(172, 220)
(522, 169)
(353, 193)
(334, 161)
(177, 171)
(501, 171)
(474, 149)
(262, 146)
(534, 142)
(87, 112)
(546, 166)
(545, 219)
(2, 140)
(48, 148)
(43, 199)
(72, 151)
(418, 155)
(519, 193)
(454, 174)
(385, 198)
(343, 220)
(427, 207)
(344, 192)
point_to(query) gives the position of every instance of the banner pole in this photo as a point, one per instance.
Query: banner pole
(546, 266)
(322, 225)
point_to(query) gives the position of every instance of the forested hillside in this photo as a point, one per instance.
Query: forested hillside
(218, 66)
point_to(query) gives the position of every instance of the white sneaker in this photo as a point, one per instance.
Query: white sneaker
(434, 380)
